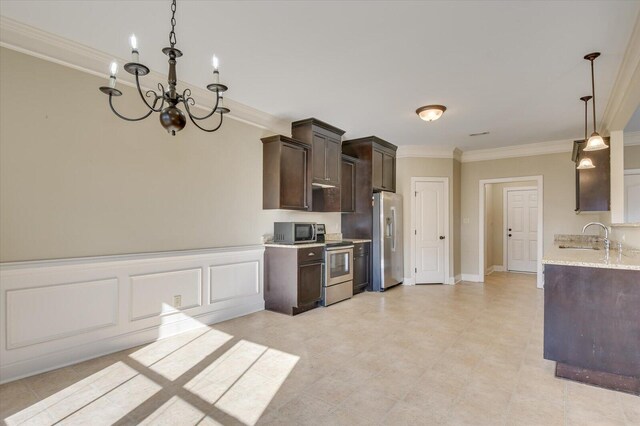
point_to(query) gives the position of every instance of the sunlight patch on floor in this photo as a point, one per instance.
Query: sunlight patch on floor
(240, 382)
(73, 398)
(186, 357)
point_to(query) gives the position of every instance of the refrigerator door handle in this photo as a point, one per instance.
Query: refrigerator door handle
(393, 229)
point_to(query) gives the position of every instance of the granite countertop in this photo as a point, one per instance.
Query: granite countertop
(295, 246)
(591, 254)
(308, 245)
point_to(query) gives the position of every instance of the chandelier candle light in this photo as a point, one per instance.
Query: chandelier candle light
(171, 117)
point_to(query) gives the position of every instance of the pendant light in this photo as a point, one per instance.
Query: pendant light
(585, 162)
(595, 141)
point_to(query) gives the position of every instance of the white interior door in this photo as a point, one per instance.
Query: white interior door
(430, 232)
(632, 197)
(522, 230)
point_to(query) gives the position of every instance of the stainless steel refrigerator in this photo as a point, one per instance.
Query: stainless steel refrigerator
(387, 260)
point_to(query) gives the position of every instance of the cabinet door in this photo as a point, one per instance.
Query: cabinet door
(293, 172)
(319, 158)
(309, 283)
(348, 187)
(360, 272)
(378, 159)
(333, 158)
(388, 172)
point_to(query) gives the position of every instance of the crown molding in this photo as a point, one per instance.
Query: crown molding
(631, 138)
(457, 154)
(424, 151)
(53, 48)
(626, 89)
(539, 148)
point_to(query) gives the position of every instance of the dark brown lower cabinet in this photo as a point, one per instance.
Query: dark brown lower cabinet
(293, 278)
(361, 267)
(592, 325)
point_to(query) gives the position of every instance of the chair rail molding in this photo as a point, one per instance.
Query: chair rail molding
(60, 312)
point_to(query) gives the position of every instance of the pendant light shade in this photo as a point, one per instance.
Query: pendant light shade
(595, 142)
(585, 163)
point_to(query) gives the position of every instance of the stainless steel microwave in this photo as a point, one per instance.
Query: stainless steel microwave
(294, 232)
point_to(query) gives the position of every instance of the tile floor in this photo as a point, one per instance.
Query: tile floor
(465, 354)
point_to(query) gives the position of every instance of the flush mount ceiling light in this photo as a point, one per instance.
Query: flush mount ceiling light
(585, 163)
(171, 117)
(431, 112)
(595, 141)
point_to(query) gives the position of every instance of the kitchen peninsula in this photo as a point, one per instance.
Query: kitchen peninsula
(592, 313)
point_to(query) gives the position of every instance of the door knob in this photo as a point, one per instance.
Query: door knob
(441, 237)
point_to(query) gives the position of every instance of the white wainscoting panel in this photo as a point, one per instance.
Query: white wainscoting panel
(61, 312)
(245, 274)
(40, 314)
(153, 294)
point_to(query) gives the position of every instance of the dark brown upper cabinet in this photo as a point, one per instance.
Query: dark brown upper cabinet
(348, 186)
(382, 156)
(326, 142)
(286, 175)
(593, 186)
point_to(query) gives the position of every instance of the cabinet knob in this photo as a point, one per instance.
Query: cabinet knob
(311, 254)
(442, 237)
(509, 234)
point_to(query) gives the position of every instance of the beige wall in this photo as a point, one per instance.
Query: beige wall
(559, 198)
(632, 157)
(489, 218)
(495, 236)
(457, 200)
(406, 168)
(77, 181)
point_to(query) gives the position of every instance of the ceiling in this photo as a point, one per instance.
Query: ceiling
(514, 69)
(634, 122)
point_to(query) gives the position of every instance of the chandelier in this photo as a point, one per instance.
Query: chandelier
(171, 117)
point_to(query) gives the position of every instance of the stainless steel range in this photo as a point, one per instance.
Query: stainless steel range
(337, 283)
(338, 277)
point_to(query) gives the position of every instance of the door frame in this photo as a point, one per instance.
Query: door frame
(505, 226)
(445, 180)
(481, 215)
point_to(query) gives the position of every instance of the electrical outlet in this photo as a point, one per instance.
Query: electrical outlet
(177, 301)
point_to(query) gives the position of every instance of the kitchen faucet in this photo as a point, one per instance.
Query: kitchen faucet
(607, 243)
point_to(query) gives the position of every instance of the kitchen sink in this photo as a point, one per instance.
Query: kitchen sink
(564, 246)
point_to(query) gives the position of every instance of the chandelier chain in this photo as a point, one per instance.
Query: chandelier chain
(172, 34)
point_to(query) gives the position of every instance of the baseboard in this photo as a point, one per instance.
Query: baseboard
(471, 278)
(70, 356)
(450, 281)
(489, 270)
(498, 268)
(457, 279)
(408, 281)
